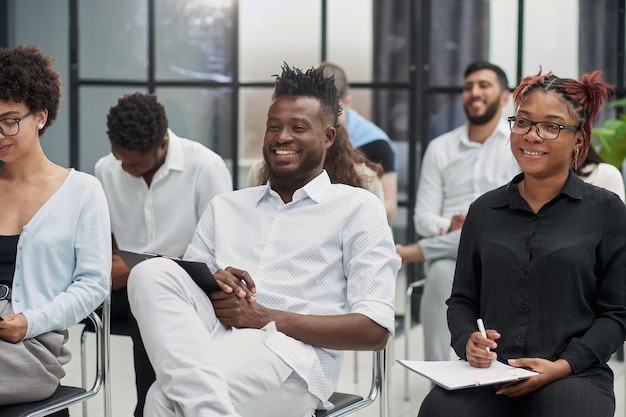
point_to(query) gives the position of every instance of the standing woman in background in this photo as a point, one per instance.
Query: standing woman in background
(542, 261)
(55, 238)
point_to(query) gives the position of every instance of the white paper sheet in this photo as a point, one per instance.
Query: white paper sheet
(458, 374)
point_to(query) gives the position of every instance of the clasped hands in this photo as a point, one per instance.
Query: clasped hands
(235, 305)
(478, 356)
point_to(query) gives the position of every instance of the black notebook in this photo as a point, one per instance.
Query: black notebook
(198, 271)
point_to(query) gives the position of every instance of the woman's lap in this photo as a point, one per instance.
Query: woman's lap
(572, 396)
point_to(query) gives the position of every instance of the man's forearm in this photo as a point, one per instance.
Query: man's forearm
(343, 332)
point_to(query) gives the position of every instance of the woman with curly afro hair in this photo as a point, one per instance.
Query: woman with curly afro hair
(55, 238)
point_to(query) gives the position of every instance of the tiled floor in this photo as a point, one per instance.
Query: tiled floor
(400, 383)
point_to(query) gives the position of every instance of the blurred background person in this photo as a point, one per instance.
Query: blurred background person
(367, 137)
(457, 167)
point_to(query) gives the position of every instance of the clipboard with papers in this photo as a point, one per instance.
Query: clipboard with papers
(198, 271)
(458, 374)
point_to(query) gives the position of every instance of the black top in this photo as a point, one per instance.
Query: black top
(8, 254)
(552, 283)
(380, 151)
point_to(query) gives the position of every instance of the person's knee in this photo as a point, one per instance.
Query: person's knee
(148, 274)
(156, 402)
(439, 279)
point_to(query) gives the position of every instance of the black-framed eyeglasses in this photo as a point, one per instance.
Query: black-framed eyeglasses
(5, 290)
(11, 125)
(545, 130)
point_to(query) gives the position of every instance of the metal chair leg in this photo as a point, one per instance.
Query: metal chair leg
(83, 365)
(407, 328)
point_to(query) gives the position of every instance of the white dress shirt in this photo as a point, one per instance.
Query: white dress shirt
(455, 171)
(161, 218)
(329, 251)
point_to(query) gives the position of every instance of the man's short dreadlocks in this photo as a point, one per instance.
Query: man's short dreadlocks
(312, 83)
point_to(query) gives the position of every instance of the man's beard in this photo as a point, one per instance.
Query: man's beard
(486, 117)
(311, 159)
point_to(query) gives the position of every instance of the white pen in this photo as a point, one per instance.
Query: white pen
(481, 327)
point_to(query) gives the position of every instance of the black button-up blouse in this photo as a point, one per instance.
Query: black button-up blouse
(552, 283)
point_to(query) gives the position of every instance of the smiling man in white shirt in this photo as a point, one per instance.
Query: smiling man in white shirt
(307, 269)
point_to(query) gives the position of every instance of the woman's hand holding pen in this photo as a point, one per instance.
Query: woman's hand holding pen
(549, 372)
(478, 349)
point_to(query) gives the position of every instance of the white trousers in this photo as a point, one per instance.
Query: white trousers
(205, 369)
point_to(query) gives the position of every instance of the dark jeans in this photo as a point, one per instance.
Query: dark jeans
(144, 373)
(572, 397)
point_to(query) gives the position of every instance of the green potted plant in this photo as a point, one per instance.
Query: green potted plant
(611, 137)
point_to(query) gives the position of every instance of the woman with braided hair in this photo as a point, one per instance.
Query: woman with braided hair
(542, 260)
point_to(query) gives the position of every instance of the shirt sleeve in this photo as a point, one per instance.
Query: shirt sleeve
(610, 178)
(371, 263)
(214, 179)
(430, 197)
(608, 330)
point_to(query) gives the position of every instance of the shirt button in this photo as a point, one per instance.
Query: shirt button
(524, 271)
(520, 337)
(527, 242)
(523, 306)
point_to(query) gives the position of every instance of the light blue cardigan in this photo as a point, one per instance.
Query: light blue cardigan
(63, 265)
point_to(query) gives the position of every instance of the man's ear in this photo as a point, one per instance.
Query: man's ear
(329, 138)
(504, 97)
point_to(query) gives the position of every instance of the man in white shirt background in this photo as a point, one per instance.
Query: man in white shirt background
(157, 186)
(457, 167)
